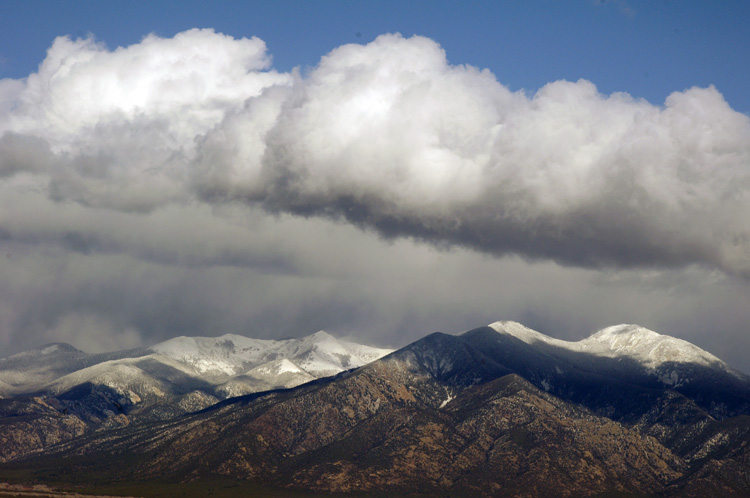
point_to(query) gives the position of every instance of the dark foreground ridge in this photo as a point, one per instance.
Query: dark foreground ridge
(497, 411)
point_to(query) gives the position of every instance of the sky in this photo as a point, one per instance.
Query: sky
(378, 170)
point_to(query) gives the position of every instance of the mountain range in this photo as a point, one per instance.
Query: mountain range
(500, 410)
(84, 392)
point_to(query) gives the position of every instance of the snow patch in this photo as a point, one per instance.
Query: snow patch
(277, 368)
(672, 379)
(446, 401)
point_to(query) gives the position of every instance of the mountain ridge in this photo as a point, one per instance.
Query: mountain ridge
(175, 377)
(482, 413)
(629, 339)
(219, 358)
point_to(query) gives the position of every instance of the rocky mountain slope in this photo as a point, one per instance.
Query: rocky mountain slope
(497, 411)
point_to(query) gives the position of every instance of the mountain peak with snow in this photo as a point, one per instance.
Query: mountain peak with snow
(626, 336)
(227, 365)
(322, 335)
(626, 329)
(222, 357)
(648, 348)
(520, 331)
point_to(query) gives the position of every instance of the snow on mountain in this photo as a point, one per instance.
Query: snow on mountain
(364, 354)
(528, 335)
(281, 373)
(663, 357)
(278, 367)
(198, 368)
(133, 378)
(36, 367)
(220, 358)
(648, 347)
(322, 354)
(32, 370)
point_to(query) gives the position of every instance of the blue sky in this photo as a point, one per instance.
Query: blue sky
(380, 187)
(646, 48)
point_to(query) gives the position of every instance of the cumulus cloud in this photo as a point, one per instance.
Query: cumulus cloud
(391, 137)
(115, 128)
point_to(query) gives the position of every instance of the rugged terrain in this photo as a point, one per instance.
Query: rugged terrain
(497, 411)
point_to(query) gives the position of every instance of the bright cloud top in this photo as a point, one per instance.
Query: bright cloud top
(388, 136)
(116, 128)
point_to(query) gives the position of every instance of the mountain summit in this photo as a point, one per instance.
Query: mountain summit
(649, 348)
(225, 357)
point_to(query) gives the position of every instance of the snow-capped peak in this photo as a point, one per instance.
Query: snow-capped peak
(522, 332)
(319, 340)
(649, 348)
(625, 332)
(321, 336)
(322, 354)
(225, 355)
(221, 357)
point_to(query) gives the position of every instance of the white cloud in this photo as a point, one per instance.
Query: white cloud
(122, 123)
(190, 81)
(390, 136)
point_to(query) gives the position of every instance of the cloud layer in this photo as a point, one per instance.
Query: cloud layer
(182, 186)
(390, 137)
